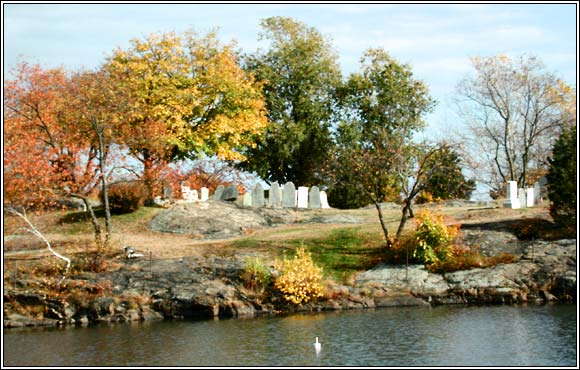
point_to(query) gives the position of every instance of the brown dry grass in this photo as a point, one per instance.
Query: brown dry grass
(76, 237)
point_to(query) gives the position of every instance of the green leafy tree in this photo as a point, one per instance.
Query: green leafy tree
(300, 74)
(446, 180)
(375, 157)
(562, 181)
(380, 109)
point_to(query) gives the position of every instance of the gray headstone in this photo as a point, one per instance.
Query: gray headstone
(324, 200)
(302, 197)
(230, 193)
(537, 193)
(522, 197)
(258, 196)
(314, 197)
(167, 192)
(275, 195)
(289, 195)
(247, 199)
(217, 195)
(204, 194)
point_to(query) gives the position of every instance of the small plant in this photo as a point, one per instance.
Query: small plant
(256, 276)
(300, 279)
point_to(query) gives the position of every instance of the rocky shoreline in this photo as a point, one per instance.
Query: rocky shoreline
(211, 287)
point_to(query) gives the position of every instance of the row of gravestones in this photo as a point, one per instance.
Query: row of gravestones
(521, 198)
(286, 196)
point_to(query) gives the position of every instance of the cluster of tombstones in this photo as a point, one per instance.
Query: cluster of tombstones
(286, 196)
(521, 198)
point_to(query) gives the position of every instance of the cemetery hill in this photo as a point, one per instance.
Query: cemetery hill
(182, 179)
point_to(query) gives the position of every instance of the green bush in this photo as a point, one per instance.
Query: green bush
(126, 197)
(434, 239)
(256, 275)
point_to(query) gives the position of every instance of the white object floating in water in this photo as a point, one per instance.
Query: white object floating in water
(317, 345)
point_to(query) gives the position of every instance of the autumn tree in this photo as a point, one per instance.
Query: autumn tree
(44, 151)
(300, 73)
(513, 108)
(96, 113)
(184, 96)
(58, 136)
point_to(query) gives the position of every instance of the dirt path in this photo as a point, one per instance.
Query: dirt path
(160, 245)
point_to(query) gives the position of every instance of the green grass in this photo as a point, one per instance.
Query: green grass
(341, 253)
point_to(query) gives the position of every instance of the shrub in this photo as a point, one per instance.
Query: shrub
(562, 183)
(300, 279)
(256, 276)
(126, 197)
(434, 239)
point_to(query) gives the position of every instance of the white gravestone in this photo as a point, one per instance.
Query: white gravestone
(324, 200)
(185, 190)
(247, 200)
(302, 197)
(522, 197)
(512, 201)
(204, 194)
(529, 197)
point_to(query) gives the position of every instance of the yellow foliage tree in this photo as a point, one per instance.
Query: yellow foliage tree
(184, 95)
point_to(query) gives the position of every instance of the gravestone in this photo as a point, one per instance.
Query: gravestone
(258, 196)
(537, 194)
(529, 197)
(185, 190)
(522, 197)
(289, 195)
(324, 200)
(230, 193)
(193, 196)
(247, 199)
(217, 195)
(167, 192)
(512, 201)
(302, 197)
(314, 197)
(204, 194)
(275, 195)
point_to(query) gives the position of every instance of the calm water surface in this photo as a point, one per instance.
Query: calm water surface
(410, 336)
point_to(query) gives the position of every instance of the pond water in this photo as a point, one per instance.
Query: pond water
(529, 335)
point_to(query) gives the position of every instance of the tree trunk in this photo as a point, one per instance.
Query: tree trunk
(383, 225)
(37, 233)
(406, 208)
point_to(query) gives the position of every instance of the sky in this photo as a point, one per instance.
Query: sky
(437, 40)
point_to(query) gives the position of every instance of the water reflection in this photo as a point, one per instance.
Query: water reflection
(413, 336)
